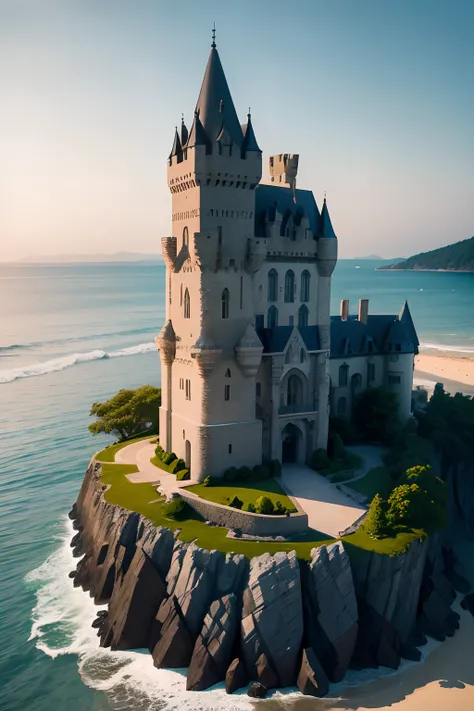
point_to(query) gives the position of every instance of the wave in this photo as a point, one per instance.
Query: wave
(14, 347)
(61, 624)
(89, 337)
(450, 348)
(52, 366)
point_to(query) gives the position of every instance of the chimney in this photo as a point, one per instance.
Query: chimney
(363, 310)
(344, 309)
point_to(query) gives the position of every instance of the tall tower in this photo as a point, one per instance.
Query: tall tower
(209, 350)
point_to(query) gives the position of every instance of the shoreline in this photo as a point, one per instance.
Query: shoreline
(421, 269)
(454, 371)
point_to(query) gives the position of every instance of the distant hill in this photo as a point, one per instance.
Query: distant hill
(93, 258)
(458, 257)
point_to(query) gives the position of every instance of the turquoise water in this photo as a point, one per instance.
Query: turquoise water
(70, 336)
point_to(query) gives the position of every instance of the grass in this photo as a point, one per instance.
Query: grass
(247, 491)
(108, 454)
(144, 499)
(391, 545)
(161, 465)
(376, 481)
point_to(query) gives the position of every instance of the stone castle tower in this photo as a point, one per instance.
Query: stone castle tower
(245, 345)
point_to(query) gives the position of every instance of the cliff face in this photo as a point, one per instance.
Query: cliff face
(274, 620)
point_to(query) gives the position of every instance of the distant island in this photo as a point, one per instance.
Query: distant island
(457, 257)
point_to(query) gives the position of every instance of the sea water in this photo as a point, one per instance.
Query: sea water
(70, 336)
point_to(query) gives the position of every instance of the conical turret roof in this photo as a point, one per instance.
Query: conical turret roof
(250, 142)
(326, 228)
(215, 104)
(197, 134)
(177, 147)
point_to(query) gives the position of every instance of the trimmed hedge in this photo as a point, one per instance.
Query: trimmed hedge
(183, 475)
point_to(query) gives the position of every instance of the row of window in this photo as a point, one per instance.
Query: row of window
(290, 286)
(225, 301)
(183, 186)
(356, 380)
(272, 317)
(186, 386)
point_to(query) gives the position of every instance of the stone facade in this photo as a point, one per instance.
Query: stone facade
(244, 261)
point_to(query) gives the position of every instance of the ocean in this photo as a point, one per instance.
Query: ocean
(73, 335)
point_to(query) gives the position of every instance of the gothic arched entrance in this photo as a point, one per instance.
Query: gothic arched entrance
(290, 443)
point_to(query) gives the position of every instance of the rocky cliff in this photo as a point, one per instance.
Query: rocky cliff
(274, 620)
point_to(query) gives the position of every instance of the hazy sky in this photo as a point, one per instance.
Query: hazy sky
(375, 95)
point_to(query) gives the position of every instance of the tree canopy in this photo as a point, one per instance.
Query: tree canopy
(458, 256)
(375, 414)
(128, 413)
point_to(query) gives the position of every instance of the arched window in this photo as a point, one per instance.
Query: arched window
(303, 314)
(343, 372)
(289, 286)
(272, 317)
(273, 285)
(228, 373)
(341, 407)
(356, 381)
(225, 304)
(295, 391)
(185, 237)
(288, 356)
(187, 305)
(302, 355)
(305, 282)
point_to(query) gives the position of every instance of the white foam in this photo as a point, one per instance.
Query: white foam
(61, 624)
(52, 366)
(451, 348)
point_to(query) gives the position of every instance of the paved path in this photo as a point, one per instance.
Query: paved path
(329, 510)
(140, 454)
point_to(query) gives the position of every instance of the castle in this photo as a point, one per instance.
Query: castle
(245, 346)
(246, 343)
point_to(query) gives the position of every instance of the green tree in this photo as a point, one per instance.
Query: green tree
(375, 523)
(264, 505)
(128, 413)
(375, 414)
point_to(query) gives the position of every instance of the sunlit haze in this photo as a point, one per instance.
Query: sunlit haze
(376, 97)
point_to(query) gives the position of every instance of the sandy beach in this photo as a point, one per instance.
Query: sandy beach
(461, 370)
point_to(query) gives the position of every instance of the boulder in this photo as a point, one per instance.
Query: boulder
(265, 673)
(312, 679)
(175, 645)
(236, 676)
(136, 597)
(213, 648)
(272, 617)
(331, 614)
(257, 691)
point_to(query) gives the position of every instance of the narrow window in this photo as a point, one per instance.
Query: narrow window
(181, 295)
(188, 390)
(169, 289)
(302, 355)
(370, 373)
(225, 304)
(258, 389)
(272, 317)
(343, 373)
(228, 374)
(227, 392)
(341, 407)
(184, 434)
(289, 286)
(305, 282)
(241, 291)
(272, 285)
(230, 449)
(303, 315)
(187, 305)
(185, 237)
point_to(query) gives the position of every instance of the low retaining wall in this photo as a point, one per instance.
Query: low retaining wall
(251, 523)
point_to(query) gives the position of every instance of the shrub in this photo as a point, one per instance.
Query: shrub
(264, 505)
(177, 465)
(346, 430)
(236, 503)
(319, 460)
(250, 508)
(168, 457)
(336, 449)
(244, 474)
(275, 467)
(280, 510)
(231, 474)
(261, 471)
(375, 523)
(207, 481)
(176, 508)
(183, 475)
(376, 413)
(159, 451)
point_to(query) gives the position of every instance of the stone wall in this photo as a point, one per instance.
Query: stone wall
(252, 524)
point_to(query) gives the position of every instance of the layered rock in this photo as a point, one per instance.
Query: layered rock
(272, 619)
(331, 615)
(312, 679)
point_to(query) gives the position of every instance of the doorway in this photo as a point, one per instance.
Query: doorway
(290, 439)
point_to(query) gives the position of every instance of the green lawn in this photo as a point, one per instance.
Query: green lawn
(247, 491)
(108, 454)
(376, 481)
(161, 465)
(144, 499)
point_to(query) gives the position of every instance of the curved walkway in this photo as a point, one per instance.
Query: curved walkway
(140, 453)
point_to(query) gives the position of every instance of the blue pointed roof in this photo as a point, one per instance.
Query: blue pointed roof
(326, 229)
(177, 148)
(271, 197)
(197, 135)
(215, 104)
(250, 142)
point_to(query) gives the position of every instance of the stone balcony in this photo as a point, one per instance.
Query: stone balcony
(300, 409)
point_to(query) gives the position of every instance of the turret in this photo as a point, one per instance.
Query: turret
(327, 244)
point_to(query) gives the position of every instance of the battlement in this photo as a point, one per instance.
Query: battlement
(283, 168)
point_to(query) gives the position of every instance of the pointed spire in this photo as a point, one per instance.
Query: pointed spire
(197, 134)
(325, 226)
(250, 142)
(184, 132)
(215, 102)
(177, 149)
